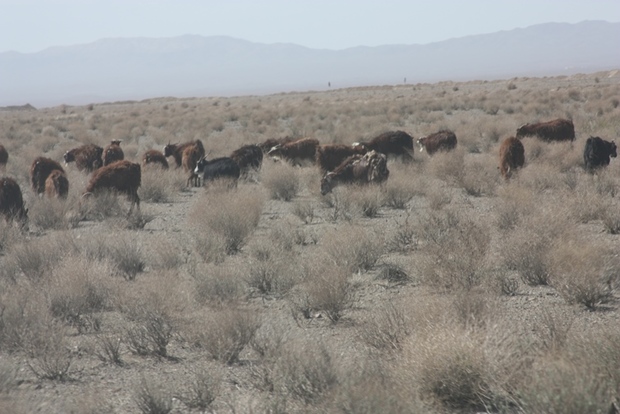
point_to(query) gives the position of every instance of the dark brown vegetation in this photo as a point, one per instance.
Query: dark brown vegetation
(40, 169)
(556, 130)
(87, 157)
(113, 152)
(445, 290)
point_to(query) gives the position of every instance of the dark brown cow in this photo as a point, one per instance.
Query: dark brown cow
(248, 157)
(191, 155)
(443, 140)
(11, 201)
(121, 176)
(4, 157)
(87, 157)
(268, 144)
(154, 157)
(391, 143)
(362, 169)
(176, 151)
(113, 152)
(57, 185)
(330, 156)
(40, 169)
(296, 152)
(597, 153)
(511, 156)
(556, 130)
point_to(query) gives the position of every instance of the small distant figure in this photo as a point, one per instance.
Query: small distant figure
(329, 84)
(405, 80)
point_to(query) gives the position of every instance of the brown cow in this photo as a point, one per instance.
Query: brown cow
(511, 156)
(113, 152)
(362, 169)
(57, 185)
(121, 176)
(330, 156)
(248, 157)
(154, 157)
(176, 151)
(443, 140)
(296, 152)
(40, 169)
(4, 157)
(11, 201)
(87, 157)
(191, 155)
(391, 143)
(268, 144)
(556, 130)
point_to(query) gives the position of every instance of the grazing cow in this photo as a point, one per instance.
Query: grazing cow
(176, 151)
(391, 143)
(295, 152)
(362, 169)
(268, 144)
(511, 156)
(556, 130)
(113, 152)
(121, 176)
(224, 167)
(57, 185)
(4, 157)
(191, 155)
(40, 169)
(597, 152)
(248, 157)
(11, 201)
(443, 140)
(330, 156)
(87, 157)
(154, 157)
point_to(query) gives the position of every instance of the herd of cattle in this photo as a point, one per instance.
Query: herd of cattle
(361, 162)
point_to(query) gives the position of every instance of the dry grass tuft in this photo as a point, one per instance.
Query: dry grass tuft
(282, 181)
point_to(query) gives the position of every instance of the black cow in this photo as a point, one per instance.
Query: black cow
(217, 168)
(597, 152)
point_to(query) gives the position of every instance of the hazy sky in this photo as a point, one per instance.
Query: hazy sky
(33, 25)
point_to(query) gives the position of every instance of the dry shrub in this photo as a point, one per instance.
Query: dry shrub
(583, 271)
(327, 291)
(153, 398)
(353, 247)
(8, 377)
(386, 328)
(225, 220)
(124, 253)
(438, 197)
(367, 200)
(109, 349)
(50, 214)
(167, 255)
(305, 210)
(225, 333)
(282, 181)
(273, 272)
(448, 166)
(106, 204)
(203, 390)
(22, 313)
(514, 203)
(306, 371)
(36, 258)
(150, 333)
(161, 186)
(451, 368)
(218, 286)
(454, 249)
(77, 290)
(480, 177)
(48, 349)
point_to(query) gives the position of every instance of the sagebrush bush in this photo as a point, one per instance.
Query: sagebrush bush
(281, 181)
(386, 328)
(152, 397)
(161, 186)
(48, 214)
(353, 247)
(225, 220)
(218, 286)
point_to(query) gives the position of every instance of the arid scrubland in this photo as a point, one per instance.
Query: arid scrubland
(447, 289)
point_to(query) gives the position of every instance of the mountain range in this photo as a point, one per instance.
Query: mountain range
(192, 65)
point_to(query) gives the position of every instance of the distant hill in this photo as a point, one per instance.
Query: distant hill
(139, 68)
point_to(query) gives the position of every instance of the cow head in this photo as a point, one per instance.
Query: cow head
(116, 142)
(523, 130)
(68, 157)
(422, 143)
(169, 149)
(275, 152)
(327, 183)
(612, 149)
